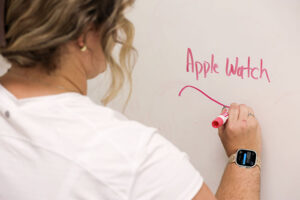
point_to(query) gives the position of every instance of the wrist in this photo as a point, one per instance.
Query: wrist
(234, 150)
(245, 158)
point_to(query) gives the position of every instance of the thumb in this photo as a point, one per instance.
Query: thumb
(221, 129)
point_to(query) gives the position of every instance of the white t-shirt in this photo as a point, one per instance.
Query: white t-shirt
(63, 147)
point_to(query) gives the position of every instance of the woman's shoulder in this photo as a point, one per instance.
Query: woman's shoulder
(101, 116)
(110, 126)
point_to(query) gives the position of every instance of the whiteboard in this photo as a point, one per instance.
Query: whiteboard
(264, 33)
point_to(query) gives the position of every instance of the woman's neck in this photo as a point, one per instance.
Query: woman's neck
(32, 82)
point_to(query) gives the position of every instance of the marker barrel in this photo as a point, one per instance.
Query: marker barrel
(220, 120)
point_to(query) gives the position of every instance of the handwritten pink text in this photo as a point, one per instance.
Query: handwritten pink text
(234, 68)
(199, 67)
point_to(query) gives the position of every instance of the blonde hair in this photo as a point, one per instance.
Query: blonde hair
(35, 29)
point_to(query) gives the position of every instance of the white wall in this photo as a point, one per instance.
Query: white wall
(261, 29)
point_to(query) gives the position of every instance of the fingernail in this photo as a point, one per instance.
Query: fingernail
(224, 109)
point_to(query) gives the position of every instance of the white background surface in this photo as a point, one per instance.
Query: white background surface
(261, 29)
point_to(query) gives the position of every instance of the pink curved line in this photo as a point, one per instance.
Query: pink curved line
(203, 94)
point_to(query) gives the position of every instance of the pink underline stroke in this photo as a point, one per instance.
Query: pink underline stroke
(203, 94)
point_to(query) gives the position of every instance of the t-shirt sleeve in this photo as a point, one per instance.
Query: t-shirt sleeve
(164, 172)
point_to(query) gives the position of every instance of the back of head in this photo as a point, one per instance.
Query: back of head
(36, 29)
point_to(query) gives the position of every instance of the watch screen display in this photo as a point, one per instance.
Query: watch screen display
(246, 158)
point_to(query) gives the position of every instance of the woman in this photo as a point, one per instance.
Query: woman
(57, 144)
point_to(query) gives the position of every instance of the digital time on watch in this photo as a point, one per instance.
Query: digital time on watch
(245, 158)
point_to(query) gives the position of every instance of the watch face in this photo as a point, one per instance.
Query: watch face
(246, 158)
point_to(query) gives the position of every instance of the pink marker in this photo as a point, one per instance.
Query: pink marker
(220, 120)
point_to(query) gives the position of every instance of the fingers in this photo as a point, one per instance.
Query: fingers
(233, 113)
(237, 113)
(244, 111)
(224, 109)
(221, 129)
(251, 111)
(252, 118)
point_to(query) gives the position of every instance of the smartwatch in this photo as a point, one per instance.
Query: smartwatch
(245, 158)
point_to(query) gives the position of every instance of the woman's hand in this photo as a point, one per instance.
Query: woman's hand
(242, 130)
